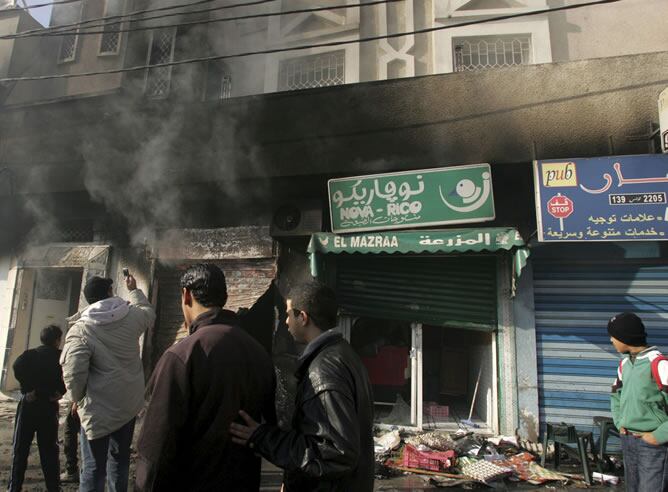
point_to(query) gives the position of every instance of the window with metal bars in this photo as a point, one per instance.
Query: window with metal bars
(305, 72)
(110, 39)
(72, 231)
(483, 52)
(218, 82)
(161, 50)
(65, 14)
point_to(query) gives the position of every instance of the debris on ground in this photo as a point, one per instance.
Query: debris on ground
(464, 458)
(387, 442)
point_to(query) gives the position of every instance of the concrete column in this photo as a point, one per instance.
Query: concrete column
(423, 17)
(525, 347)
(369, 27)
(507, 364)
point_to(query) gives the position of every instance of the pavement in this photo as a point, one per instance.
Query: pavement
(271, 476)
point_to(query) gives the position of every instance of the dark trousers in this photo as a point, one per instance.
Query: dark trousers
(645, 465)
(71, 442)
(39, 418)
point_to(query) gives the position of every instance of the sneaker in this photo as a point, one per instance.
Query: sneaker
(69, 477)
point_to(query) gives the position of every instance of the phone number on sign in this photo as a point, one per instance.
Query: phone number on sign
(637, 198)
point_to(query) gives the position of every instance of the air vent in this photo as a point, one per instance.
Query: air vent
(297, 219)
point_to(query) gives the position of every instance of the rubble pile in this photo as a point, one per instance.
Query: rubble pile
(453, 459)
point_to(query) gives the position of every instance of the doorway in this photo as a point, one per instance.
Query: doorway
(458, 374)
(47, 296)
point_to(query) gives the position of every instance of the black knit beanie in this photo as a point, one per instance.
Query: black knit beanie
(628, 328)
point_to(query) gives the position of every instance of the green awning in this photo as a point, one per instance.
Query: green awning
(426, 241)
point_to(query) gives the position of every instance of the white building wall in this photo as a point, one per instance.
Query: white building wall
(7, 282)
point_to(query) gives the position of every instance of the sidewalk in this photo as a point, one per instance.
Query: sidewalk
(271, 476)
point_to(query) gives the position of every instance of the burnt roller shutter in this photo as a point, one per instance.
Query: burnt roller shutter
(573, 302)
(457, 291)
(246, 280)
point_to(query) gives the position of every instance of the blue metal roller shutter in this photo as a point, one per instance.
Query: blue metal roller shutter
(573, 302)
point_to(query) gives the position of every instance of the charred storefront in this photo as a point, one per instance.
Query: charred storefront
(438, 310)
(428, 310)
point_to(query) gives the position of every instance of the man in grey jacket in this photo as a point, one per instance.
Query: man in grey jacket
(103, 373)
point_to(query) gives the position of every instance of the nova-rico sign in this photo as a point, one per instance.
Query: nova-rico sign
(449, 195)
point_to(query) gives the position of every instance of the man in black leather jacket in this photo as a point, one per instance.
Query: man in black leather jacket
(330, 445)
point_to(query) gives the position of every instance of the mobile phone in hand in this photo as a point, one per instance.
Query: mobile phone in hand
(126, 272)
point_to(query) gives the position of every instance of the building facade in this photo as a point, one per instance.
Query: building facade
(158, 168)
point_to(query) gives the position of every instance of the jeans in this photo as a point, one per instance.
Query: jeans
(41, 418)
(645, 465)
(106, 459)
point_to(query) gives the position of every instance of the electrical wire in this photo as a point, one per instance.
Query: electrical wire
(72, 27)
(63, 2)
(104, 21)
(41, 33)
(306, 47)
(40, 5)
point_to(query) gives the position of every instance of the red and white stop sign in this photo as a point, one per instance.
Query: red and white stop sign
(560, 206)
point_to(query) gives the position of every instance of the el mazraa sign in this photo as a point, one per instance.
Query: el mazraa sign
(426, 197)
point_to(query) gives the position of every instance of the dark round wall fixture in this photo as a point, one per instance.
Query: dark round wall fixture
(287, 217)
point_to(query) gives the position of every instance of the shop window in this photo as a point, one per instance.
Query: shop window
(427, 376)
(483, 52)
(306, 72)
(385, 347)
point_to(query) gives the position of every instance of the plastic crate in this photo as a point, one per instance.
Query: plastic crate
(436, 412)
(427, 460)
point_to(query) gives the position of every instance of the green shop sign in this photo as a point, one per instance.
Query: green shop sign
(409, 199)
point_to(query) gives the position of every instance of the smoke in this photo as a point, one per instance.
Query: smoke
(127, 169)
(149, 160)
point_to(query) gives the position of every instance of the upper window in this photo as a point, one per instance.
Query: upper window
(67, 14)
(218, 82)
(310, 71)
(110, 39)
(482, 52)
(160, 50)
(68, 48)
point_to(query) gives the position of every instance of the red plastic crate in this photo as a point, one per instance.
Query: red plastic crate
(427, 460)
(437, 412)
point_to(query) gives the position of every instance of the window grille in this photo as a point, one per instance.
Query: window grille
(226, 87)
(72, 231)
(485, 52)
(68, 48)
(110, 39)
(161, 50)
(305, 72)
(66, 14)
(218, 83)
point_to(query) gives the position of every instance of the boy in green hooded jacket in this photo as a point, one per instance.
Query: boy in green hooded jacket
(639, 406)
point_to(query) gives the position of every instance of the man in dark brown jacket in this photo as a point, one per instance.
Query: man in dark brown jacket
(197, 389)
